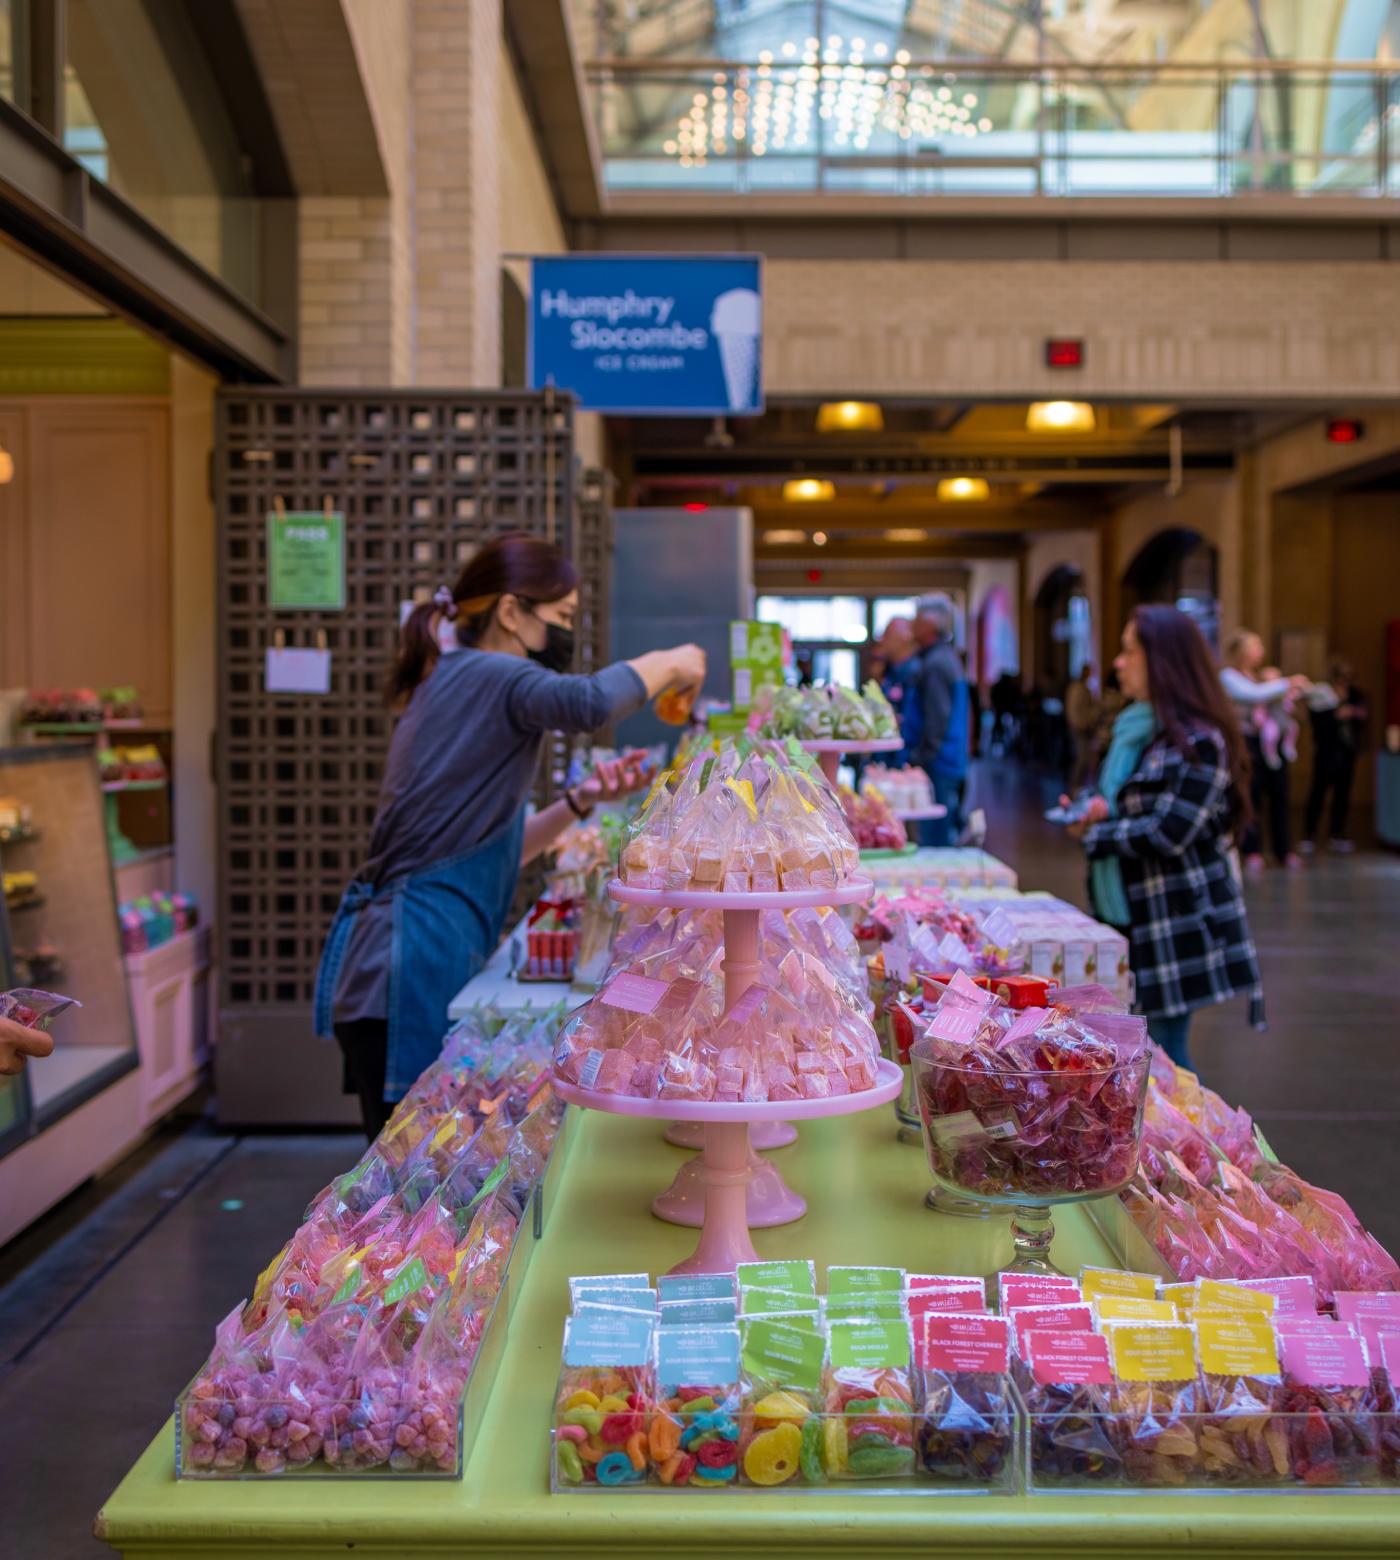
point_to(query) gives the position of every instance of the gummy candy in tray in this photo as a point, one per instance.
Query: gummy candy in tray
(760, 823)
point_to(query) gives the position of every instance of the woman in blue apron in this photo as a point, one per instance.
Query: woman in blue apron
(427, 909)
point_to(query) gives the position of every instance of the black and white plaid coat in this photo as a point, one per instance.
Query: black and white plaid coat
(1189, 939)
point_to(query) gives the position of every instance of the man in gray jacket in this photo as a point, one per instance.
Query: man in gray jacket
(942, 748)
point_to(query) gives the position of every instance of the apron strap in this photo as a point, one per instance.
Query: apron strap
(352, 901)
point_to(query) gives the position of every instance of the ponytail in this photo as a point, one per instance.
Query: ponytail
(515, 565)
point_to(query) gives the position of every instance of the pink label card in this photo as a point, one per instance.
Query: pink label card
(1322, 1360)
(747, 1006)
(1067, 1359)
(1353, 1304)
(942, 1281)
(1026, 1023)
(1325, 1325)
(1018, 1289)
(633, 993)
(954, 1023)
(964, 986)
(1077, 1317)
(1390, 1354)
(963, 1343)
(1295, 1296)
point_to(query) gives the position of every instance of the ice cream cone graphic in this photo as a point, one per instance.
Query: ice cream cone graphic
(736, 320)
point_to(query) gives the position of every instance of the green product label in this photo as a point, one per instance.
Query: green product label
(787, 1353)
(875, 1345)
(774, 1302)
(413, 1277)
(873, 1308)
(794, 1275)
(863, 1280)
(306, 561)
(706, 772)
(492, 1181)
(354, 1177)
(348, 1288)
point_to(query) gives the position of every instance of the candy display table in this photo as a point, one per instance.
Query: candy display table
(729, 1186)
(867, 1207)
(830, 751)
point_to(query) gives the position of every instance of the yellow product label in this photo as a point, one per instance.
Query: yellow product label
(1183, 1299)
(1237, 1345)
(1097, 1282)
(1217, 1296)
(743, 789)
(1152, 1351)
(657, 785)
(395, 1127)
(444, 1132)
(1128, 1308)
(265, 1277)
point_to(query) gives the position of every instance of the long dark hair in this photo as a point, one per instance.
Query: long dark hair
(1185, 689)
(511, 565)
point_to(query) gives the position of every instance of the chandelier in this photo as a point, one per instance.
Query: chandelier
(774, 106)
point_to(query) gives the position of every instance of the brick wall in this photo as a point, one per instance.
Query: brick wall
(1154, 330)
(348, 330)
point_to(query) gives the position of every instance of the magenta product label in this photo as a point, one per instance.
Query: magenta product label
(964, 986)
(970, 1302)
(1018, 1289)
(964, 1343)
(747, 1006)
(1390, 1353)
(1355, 1304)
(1307, 1324)
(1321, 1360)
(633, 993)
(1295, 1296)
(942, 1281)
(1078, 1317)
(1069, 1359)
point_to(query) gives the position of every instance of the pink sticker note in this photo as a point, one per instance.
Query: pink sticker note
(1068, 1359)
(942, 1281)
(963, 1343)
(1294, 1296)
(1390, 1354)
(747, 1006)
(964, 986)
(1077, 1317)
(633, 993)
(1325, 1325)
(1319, 1360)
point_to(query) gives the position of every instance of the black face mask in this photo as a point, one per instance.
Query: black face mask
(558, 652)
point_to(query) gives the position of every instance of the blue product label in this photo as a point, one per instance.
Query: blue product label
(695, 1286)
(699, 1313)
(605, 1336)
(697, 1357)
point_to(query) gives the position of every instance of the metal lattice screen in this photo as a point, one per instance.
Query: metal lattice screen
(422, 479)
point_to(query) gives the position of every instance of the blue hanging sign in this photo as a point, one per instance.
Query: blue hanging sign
(650, 335)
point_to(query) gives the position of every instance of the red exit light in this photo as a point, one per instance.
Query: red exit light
(695, 509)
(1064, 352)
(1345, 430)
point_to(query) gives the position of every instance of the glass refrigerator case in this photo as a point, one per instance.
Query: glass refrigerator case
(59, 931)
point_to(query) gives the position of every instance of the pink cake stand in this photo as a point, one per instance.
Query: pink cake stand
(829, 751)
(724, 1236)
(768, 1200)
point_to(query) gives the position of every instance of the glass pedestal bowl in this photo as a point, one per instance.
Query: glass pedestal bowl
(1026, 1140)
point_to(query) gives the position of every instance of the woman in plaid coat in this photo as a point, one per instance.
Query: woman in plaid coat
(1162, 846)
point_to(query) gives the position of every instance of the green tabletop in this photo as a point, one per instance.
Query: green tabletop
(866, 1195)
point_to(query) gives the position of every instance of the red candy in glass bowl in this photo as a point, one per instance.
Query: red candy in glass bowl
(1032, 1107)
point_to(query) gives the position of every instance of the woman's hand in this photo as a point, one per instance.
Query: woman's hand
(688, 667)
(615, 777)
(17, 1044)
(682, 667)
(1095, 812)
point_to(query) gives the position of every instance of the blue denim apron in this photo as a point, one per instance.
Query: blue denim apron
(447, 920)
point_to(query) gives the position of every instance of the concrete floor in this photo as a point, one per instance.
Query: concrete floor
(109, 1305)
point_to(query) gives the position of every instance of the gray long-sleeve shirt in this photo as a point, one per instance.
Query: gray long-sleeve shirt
(461, 761)
(940, 673)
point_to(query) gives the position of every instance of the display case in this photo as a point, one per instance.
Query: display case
(59, 931)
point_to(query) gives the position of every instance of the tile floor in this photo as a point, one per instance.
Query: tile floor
(109, 1305)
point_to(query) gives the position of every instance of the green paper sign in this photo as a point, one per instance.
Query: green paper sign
(863, 1280)
(777, 1302)
(306, 561)
(793, 1275)
(873, 1345)
(413, 1277)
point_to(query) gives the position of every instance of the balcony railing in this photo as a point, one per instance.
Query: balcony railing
(951, 128)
